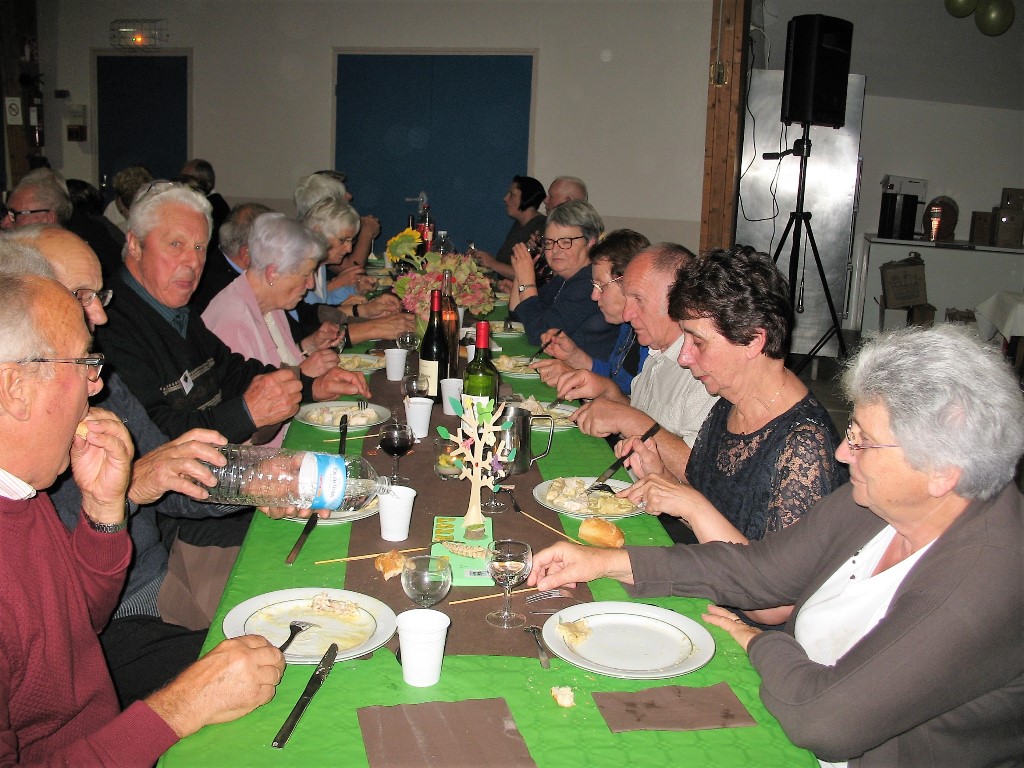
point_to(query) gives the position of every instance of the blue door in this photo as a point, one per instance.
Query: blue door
(142, 113)
(454, 126)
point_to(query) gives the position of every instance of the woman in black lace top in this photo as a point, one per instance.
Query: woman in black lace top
(766, 453)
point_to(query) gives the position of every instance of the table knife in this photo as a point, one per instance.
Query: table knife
(617, 464)
(544, 346)
(342, 434)
(323, 669)
(306, 530)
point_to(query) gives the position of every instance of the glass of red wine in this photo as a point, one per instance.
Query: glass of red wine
(396, 440)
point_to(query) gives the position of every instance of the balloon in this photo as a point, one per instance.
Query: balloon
(994, 17)
(961, 8)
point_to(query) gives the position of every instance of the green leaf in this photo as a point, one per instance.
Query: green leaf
(456, 405)
(443, 432)
(512, 455)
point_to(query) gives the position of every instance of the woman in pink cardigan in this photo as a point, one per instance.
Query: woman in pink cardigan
(249, 314)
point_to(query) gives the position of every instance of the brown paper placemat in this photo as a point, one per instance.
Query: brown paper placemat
(673, 708)
(450, 734)
(469, 633)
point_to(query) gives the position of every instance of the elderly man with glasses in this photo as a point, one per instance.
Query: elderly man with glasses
(56, 698)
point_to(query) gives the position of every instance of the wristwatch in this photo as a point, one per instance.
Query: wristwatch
(524, 286)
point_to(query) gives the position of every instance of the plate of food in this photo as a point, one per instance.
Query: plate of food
(559, 414)
(634, 641)
(342, 515)
(515, 367)
(500, 299)
(361, 363)
(328, 415)
(498, 329)
(567, 495)
(357, 623)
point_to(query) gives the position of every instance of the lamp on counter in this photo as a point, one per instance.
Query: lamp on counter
(993, 17)
(138, 34)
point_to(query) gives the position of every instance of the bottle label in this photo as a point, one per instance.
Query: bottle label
(429, 368)
(322, 479)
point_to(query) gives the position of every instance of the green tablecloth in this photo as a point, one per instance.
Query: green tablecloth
(329, 731)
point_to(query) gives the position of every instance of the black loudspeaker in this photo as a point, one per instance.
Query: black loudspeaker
(817, 68)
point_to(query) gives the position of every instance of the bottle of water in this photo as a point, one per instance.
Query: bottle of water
(264, 476)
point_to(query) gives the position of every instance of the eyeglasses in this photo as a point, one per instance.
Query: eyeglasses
(93, 365)
(565, 243)
(599, 287)
(86, 295)
(855, 446)
(15, 215)
(155, 188)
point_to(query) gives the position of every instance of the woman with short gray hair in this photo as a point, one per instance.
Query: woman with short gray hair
(249, 315)
(338, 223)
(564, 303)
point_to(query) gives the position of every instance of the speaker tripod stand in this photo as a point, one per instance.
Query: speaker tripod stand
(799, 221)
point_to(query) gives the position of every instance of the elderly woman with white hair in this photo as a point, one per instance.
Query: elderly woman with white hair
(904, 647)
(248, 315)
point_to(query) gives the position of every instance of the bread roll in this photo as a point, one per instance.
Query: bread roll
(601, 533)
(82, 430)
(390, 563)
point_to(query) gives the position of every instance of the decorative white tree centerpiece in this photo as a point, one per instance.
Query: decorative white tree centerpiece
(479, 455)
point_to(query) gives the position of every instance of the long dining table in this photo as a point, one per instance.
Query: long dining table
(482, 663)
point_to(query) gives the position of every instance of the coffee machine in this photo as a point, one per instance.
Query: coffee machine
(900, 197)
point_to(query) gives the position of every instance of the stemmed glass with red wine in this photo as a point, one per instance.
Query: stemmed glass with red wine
(396, 440)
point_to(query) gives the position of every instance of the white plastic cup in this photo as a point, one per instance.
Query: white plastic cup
(417, 413)
(421, 636)
(450, 388)
(394, 363)
(395, 512)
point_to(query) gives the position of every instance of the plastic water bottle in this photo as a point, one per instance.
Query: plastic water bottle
(263, 476)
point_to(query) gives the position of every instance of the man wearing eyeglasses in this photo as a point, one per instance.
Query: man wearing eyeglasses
(662, 392)
(56, 698)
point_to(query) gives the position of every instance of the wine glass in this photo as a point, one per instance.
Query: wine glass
(426, 580)
(396, 439)
(415, 386)
(492, 506)
(407, 340)
(508, 563)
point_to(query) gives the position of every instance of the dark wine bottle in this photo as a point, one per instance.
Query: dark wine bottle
(434, 349)
(481, 380)
(450, 316)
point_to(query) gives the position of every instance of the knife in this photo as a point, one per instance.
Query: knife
(323, 669)
(542, 653)
(342, 434)
(617, 464)
(544, 347)
(306, 530)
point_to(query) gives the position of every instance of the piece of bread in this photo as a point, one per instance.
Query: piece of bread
(82, 430)
(563, 695)
(574, 632)
(390, 563)
(601, 533)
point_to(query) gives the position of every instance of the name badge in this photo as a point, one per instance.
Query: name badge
(186, 382)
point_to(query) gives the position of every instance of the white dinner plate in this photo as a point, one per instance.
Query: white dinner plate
(339, 516)
(632, 640)
(361, 363)
(498, 330)
(519, 373)
(561, 415)
(541, 491)
(311, 414)
(500, 299)
(271, 613)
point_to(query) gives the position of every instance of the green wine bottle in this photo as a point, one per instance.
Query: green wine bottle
(481, 380)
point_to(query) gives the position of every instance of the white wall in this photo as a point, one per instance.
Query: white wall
(620, 93)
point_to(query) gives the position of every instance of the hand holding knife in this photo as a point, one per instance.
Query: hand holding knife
(544, 346)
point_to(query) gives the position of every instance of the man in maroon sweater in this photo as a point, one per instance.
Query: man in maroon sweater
(57, 703)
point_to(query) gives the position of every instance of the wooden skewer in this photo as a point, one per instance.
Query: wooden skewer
(554, 530)
(364, 557)
(487, 597)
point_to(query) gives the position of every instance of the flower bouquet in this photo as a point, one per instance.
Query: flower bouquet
(471, 288)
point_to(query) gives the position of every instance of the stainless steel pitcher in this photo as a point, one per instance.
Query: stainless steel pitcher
(520, 434)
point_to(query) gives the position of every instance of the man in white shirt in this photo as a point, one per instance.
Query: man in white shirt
(663, 391)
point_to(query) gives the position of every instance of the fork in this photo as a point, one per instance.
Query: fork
(548, 594)
(362, 404)
(507, 327)
(294, 629)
